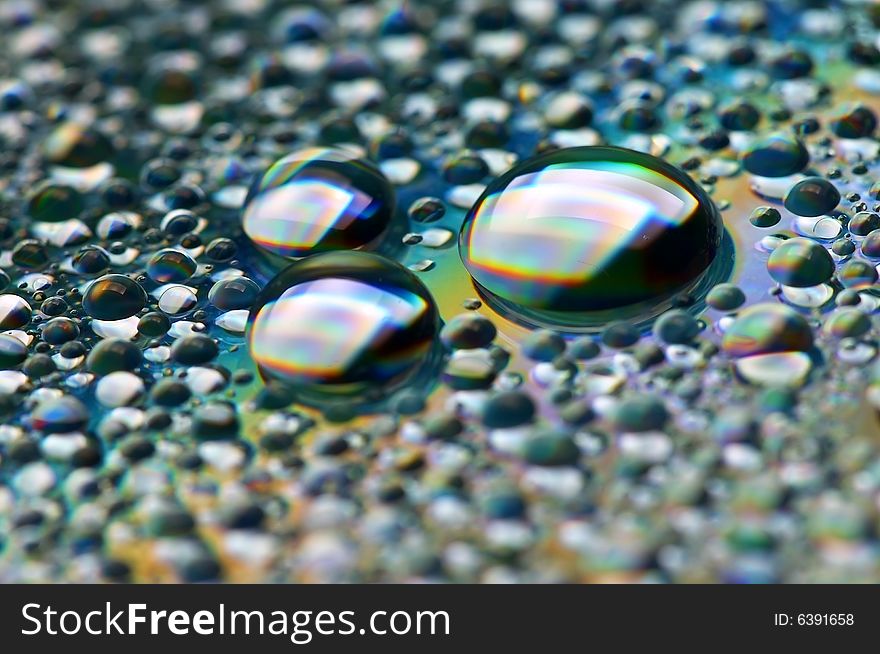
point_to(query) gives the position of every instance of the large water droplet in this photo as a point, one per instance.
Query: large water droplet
(577, 236)
(343, 324)
(114, 297)
(316, 200)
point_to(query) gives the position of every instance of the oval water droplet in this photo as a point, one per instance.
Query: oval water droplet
(114, 297)
(801, 263)
(316, 200)
(570, 237)
(343, 324)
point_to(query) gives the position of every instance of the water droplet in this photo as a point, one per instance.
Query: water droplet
(847, 323)
(776, 155)
(467, 331)
(676, 327)
(435, 237)
(843, 247)
(12, 352)
(171, 266)
(871, 245)
(863, 223)
(119, 388)
(853, 122)
(726, 297)
(767, 329)
(567, 237)
(316, 200)
(234, 321)
(113, 354)
(812, 196)
(236, 293)
(177, 300)
(59, 331)
(194, 349)
(114, 297)
(51, 202)
(154, 324)
(857, 274)
(765, 217)
(60, 415)
(15, 312)
(90, 260)
(77, 146)
(426, 210)
(422, 266)
(124, 328)
(30, 254)
(855, 352)
(343, 324)
(800, 262)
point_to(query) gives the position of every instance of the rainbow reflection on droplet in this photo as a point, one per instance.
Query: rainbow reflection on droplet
(317, 200)
(769, 345)
(767, 329)
(570, 237)
(349, 324)
(171, 265)
(801, 263)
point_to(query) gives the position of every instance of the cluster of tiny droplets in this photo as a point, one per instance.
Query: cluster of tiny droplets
(345, 291)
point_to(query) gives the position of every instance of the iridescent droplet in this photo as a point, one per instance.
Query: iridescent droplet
(51, 202)
(343, 324)
(800, 262)
(171, 266)
(770, 345)
(857, 274)
(853, 122)
(871, 245)
(847, 323)
(863, 223)
(565, 236)
(767, 329)
(316, 200)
